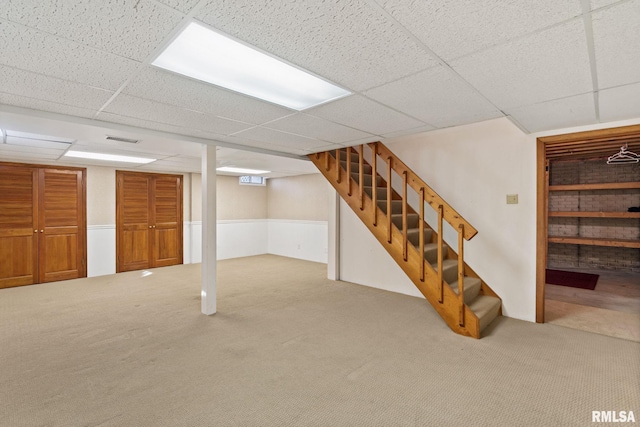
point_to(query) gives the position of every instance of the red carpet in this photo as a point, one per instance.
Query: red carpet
(572, 279)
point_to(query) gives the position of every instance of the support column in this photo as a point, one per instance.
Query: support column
(209, 221)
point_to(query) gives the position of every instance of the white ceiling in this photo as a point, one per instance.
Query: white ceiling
(81, 69)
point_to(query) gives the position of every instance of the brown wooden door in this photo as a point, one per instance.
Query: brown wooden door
(133, 221)
(167, 220)
(148, 220)
(61, 225)
(18, 226)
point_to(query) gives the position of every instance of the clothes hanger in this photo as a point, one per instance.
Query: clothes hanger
(624, 156)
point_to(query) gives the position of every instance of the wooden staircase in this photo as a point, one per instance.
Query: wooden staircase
(465, 302)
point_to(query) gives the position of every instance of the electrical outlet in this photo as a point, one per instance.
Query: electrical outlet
(512, 199)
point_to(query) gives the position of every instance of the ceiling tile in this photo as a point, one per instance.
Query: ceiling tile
(566, 112)
(183, 6)
(169, 88)
(266, 145)
(361, 113)
(597, 4)
(139, 108)
(8, 151)
(455, 28)
(616, 34)
(40, 105)
(280, 139)
(163, 127)
(31, 85)
(436, 96)
(620, 103)
(548, 65)
(33, 50)
(131, 28)
(347, 42)
(315, 127)
(412, 131)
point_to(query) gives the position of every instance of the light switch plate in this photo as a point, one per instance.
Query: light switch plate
(512, 199)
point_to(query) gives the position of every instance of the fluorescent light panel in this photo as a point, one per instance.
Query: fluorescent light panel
(241, 170)
(107, 157)
(206, 55)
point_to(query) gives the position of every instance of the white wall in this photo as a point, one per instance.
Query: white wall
(300, 239)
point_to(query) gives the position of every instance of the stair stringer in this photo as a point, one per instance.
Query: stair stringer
(449, 308)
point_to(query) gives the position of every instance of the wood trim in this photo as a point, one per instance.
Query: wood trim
(601, 186)
(43, 166)
(541, 227)
(592, 241)
(559, 214)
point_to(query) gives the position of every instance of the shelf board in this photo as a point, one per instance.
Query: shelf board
(595, 214)
(606, 186)
(620, 243)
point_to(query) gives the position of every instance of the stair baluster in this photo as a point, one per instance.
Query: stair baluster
(374, 183)
(349, 170)
(421, 231)
(389, 210)
(361, 175)
(337, 163)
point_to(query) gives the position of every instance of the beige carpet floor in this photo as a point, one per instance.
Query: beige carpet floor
(288, 348)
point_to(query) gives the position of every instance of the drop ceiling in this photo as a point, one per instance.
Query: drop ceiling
(81, 69)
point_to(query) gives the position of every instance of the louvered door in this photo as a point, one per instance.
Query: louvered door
(167, 220)
(148, 220)
(18, 226)
(61, 223)
(42, 224)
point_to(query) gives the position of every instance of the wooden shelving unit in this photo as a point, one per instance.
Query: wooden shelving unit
(576, 240)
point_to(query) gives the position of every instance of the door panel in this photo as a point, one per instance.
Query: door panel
(133, 221)
(61, 224)
(18, 225)
(167, 214)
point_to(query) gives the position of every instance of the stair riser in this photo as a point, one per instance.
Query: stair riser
(396, 206)
(431, 254)
(366, 179)
(489, 317)
(356, 167)
(471, 288)
(412, 221)
(450, 273)
(414, 237)
(381, 193)
(355, 157)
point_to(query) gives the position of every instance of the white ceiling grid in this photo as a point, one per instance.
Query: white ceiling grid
(412, 66)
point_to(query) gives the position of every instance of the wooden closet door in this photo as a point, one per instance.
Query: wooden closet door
(18, 226)
(61, 226)
(167, 220)
(133, 221)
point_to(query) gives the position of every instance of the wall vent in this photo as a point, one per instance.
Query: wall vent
(120, 139)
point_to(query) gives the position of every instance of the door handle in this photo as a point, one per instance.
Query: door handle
(150, 226)
(42, 231)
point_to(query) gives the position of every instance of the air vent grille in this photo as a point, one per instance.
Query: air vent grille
(121, 139)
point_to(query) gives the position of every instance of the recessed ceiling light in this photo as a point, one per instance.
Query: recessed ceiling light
(107, 157)
(206, 55)
(241, 170)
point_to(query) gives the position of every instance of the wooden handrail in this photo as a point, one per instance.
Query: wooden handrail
(348, 169)
(421, 230)
(374, 186)
(361, 175)
(389, 190)
(450, 215)
(461, 273)
(440, 251)
(404, 216)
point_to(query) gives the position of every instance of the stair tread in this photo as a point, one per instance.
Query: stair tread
(483, 304)
(468, 283)
(446, 263)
